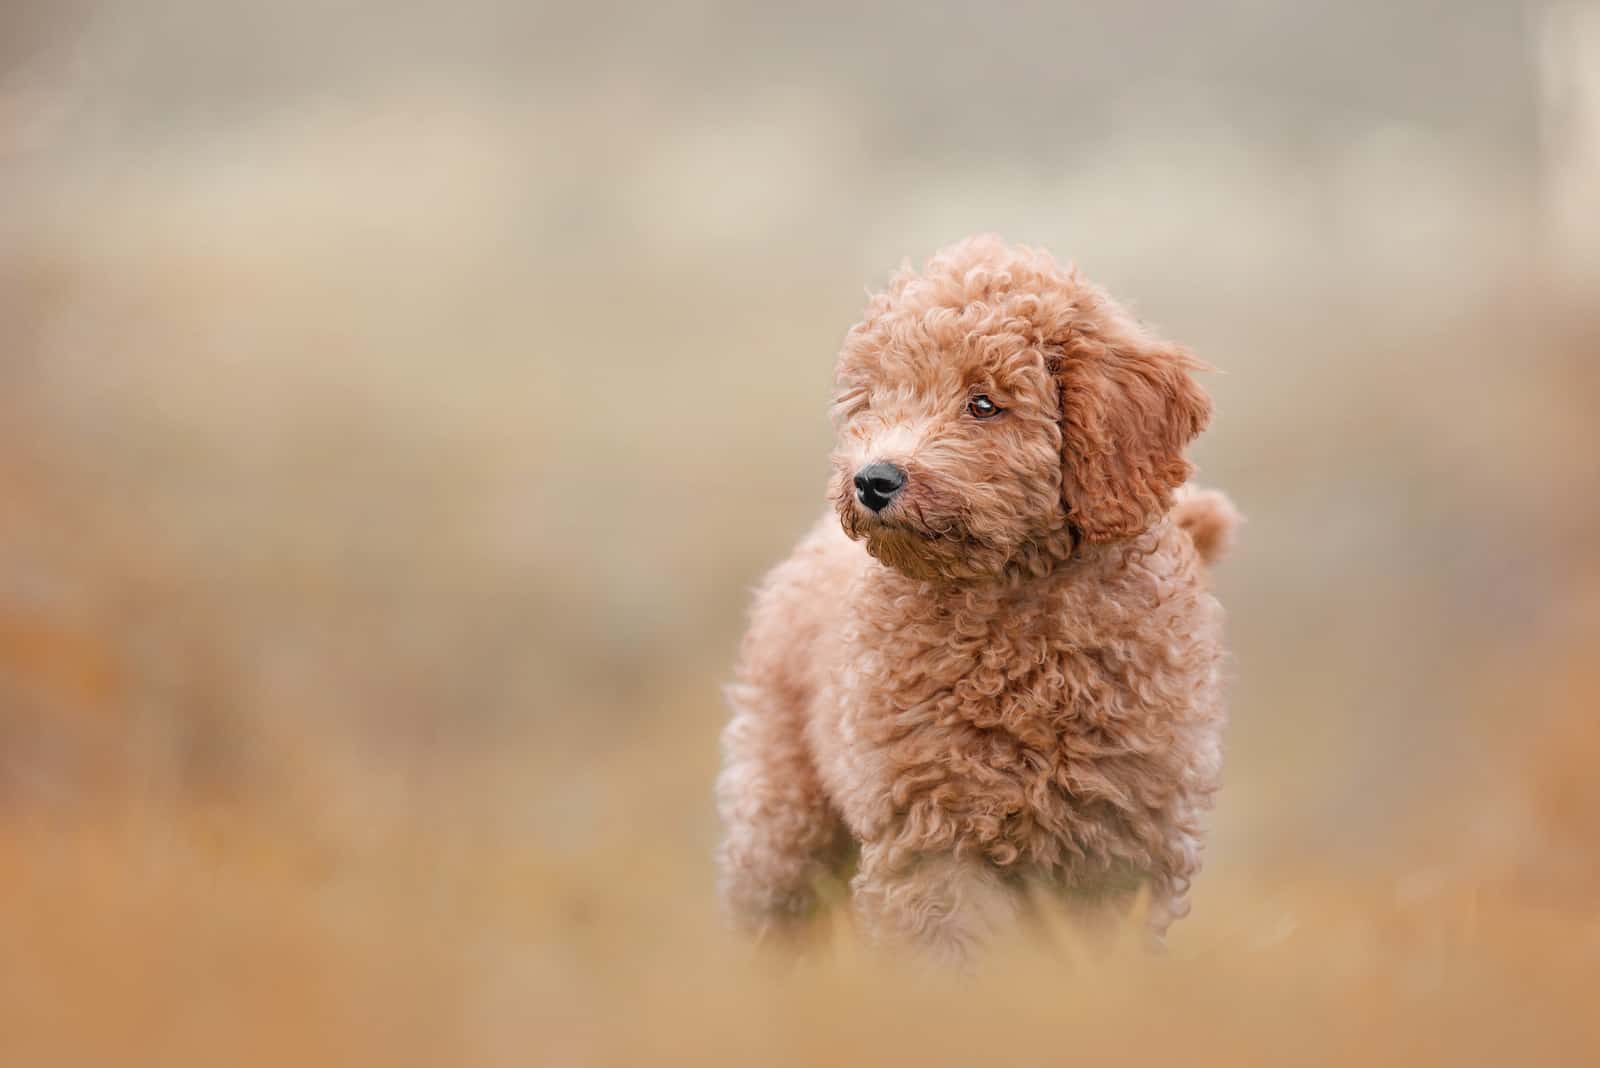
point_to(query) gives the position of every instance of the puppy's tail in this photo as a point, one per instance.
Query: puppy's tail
(1209, 517)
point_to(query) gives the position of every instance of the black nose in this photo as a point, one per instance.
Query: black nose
(876, 485)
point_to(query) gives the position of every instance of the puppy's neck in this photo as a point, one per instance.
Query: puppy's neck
(1041, 558)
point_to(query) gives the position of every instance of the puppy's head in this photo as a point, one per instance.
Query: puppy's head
(995, 408)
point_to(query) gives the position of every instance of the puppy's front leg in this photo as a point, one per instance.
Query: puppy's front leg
(944, 906)
(782, 833)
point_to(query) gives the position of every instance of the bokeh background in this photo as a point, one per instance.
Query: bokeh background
(398, 402)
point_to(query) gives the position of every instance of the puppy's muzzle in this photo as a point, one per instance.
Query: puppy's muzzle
(877, 484)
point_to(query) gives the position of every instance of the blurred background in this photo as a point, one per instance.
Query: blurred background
(372, 377)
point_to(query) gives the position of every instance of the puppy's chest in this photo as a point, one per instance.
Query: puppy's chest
(1005, 676)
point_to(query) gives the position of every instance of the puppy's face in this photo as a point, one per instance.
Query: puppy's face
(993, 409)
(948, 457)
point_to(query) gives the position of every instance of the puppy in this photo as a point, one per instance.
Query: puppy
(997, 662)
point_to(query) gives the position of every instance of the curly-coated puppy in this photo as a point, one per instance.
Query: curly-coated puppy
(999, 664)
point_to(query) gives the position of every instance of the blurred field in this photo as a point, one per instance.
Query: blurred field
(397, 405)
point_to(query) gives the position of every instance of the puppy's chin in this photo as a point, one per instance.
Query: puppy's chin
(897, 543)
(889, 539)
(905, 552)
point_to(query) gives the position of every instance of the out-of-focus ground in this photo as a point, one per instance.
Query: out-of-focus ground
(398, 402)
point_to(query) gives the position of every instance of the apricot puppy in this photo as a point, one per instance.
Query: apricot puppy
(997, 661)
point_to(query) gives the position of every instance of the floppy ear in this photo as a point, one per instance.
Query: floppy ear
(1128, 408)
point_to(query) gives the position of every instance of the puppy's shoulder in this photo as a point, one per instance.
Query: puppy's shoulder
(1124, 588)
(1162, 554)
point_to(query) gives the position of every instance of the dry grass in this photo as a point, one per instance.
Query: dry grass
(187, 936)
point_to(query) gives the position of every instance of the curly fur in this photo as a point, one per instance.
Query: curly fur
(1013, 672)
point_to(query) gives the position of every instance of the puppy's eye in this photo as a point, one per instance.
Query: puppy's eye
(981, 407)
